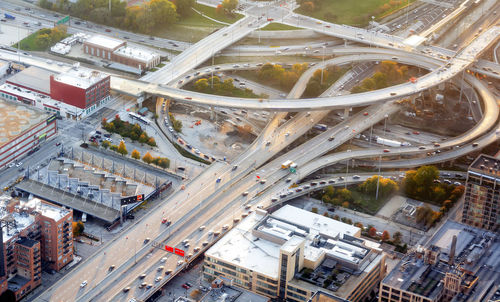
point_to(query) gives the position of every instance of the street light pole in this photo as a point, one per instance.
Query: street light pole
(323, 68)
(380, 158)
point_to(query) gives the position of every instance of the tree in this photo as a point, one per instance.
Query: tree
(308, 6)
(78, 228)
(105, 144)
(151, 142)
(372, 232)
(201, 85)
(42, 41)
(143, 138)
(359, 225)
(104, 122)
(385, 236)
(184, 7)
(135, 154)
(345, 204)
(396, 237)
(314, 210)
(147, 158)
(229, 5)
(122, 149)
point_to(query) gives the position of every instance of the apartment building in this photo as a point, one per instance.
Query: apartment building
(482, 194)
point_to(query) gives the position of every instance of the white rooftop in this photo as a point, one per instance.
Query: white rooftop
(243, 249)
(137, 53)
(105, 41)
(21, 220)
(80, 77)
(47, 210)
(317, 223)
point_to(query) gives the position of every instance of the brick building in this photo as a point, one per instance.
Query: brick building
(115, 50)
(34, 234)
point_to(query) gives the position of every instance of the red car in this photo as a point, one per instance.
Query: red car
(387, 150)
(185, 286)
(108, 30)
(365, 114)
(416, 132)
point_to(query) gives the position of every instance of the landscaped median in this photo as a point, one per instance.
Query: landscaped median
(42, 39)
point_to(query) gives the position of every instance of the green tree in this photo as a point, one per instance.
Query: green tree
(105, 144)
(122, 149)
(229, 5)
(113, 148)
(396, 237)
(42, 41)
(151, 142)
(135, 154)
(143, 138)
(162, 12)
(184, 7)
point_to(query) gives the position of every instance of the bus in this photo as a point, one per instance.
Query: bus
(139, 118)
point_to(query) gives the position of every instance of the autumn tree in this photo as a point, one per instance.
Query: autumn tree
(78, 228)
(122, 149)
(396, 237)
(372, 232)
(147, 158)
(386, 186)
(135, 154)
(105, 144)
(229, 5)
(385, 236)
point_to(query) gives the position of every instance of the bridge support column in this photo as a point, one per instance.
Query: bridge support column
(346, 112)
(139, 101)
(213, 114)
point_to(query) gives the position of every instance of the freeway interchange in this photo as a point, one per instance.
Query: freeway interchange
(206, 207)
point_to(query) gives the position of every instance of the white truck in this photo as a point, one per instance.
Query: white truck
(389, 142)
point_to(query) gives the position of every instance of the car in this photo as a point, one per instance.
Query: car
(185, 286)
(387, 150)
(126, 37)
(201, 228)
(107, 30)
(165, 221)
(149, 286)
(83, 284)
(356, 177)
(298, 190)
(457, 183)
(126, 289)
(331, 138)
(341, 178)
(158, 279)
(234, 167)
(331, 181)
(393, 93)
(416, 132)
(111, 267)
(421, 148)
(288, 179)
(197, 151)
(262, 181)
(475, 144)
(365, 114)
(19, 164)
(108, 135)
(78, 22)
(245, 193)
(160, 268)
(162, 260)
(322, 182)
(147, 240)
(314, 183)
(436, 145)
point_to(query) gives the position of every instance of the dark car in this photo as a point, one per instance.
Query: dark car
(78, 22)
(108, 135)
(185, 286)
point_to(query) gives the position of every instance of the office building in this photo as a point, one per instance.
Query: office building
(482, 194)
(293, 253)
(459, 263)
(22, 129)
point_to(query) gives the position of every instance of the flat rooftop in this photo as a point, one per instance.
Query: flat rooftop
(34, 78)
(46, 209)
(16, 118)
(81, 77)
(487, 165)
(105, 41)
(141, 54)
(14, 222)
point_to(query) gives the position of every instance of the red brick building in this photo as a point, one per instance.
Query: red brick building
(84, 89)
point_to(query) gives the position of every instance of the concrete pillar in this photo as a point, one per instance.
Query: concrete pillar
(346, 112)
(213, 114)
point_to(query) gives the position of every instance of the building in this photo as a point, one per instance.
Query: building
(293, 253)
(482, 194)
(22, 129)
(459, 264)
(57, 234)
(115, 50)
(25, 236)
(76, 93)
(82, 88)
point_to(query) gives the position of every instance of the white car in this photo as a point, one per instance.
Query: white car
(170, 129)
(19, 164)
(83, 284)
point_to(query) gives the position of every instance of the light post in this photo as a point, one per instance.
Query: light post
(323, 68)
(380, 158)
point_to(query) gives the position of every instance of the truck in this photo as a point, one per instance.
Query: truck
(320, 127)
(8, 16)
(388, 142)
(286, 164)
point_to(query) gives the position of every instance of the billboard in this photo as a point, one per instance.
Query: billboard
(132, 199)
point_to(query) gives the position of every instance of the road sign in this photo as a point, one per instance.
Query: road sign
(169, 249)
(132, 199)
(179, 252)
(63, 20)
(293, 170)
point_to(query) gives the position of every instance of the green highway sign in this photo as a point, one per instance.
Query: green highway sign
(63, 20)
(293, 170)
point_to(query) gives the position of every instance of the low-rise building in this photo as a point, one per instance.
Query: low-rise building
(116, 50)
(22, 129)
(293, 253)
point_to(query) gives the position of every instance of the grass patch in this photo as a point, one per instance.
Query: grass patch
(28, 43)
(221, 89)
(367, 203)
(210, 12)
(356, 13)
(160, 65)
(279, 26)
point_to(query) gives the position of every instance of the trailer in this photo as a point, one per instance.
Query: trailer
(10, 17)
(388, 142)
